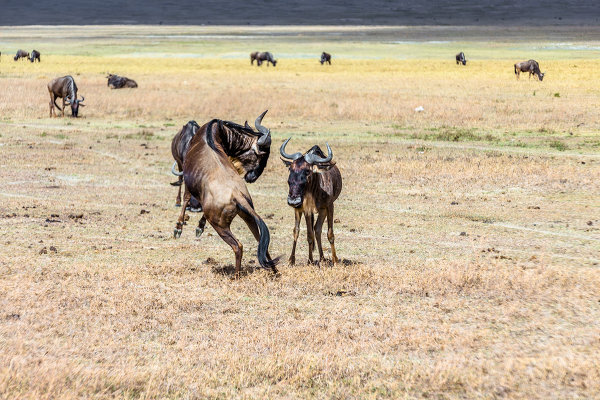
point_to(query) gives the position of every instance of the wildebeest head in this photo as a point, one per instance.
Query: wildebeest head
(250, 151)
(302, 168)
(75, 104)
(541, 76)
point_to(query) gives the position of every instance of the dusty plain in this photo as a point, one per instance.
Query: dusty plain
(469, 232)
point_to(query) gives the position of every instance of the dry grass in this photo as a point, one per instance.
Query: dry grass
(470, 240)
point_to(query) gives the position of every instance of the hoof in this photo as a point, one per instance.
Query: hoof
(199, 231)
(176, 233)
(292, 261)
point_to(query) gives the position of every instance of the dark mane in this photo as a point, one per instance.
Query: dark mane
(238, 127)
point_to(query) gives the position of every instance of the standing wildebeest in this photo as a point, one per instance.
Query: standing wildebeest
(530, 66)
(325, 58)
(211, 177)
(35, 55)
(315, 183)
(66, 89)
(119, 82)
(21, 54)
(460, 58)
(262, 56)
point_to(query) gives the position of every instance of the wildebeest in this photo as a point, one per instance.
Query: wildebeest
(179, 147)
(262, 56)
(35, 55)
(314, 184)
(119, 82)
(325, 58)
(460, 58)
(66, 89)
(530, 66)
(21, 54)
(211, 177)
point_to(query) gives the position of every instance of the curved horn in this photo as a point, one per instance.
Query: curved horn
(173, 170)
(292, 157)
(247, 126)
(264, 140)
(258, 126)
(312, 158)
(82, 99)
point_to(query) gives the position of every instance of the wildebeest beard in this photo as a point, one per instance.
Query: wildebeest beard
(238, 143)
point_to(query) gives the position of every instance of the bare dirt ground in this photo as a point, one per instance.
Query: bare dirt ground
(469, 233)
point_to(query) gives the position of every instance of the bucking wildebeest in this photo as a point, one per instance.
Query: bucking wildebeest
(211, 177)
(530, 66)
(21, 54)
(119, 82)
(262, 56)
(66, 89)
(314, 184)
(325, 58)
(460, 58)
(35, 55)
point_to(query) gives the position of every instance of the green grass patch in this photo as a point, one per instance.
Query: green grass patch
(558, 145)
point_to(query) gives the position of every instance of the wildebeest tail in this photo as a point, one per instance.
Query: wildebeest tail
(263, 242)
(515, 69)
(57, 104)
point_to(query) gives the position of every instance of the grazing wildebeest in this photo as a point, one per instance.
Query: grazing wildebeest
(21, 54)
(35, 55)
(119, 82)
(211, 177)
(262, 56)
(66, 89)
(314, 184)
(325, 58)
(460, 58)
(530, 66)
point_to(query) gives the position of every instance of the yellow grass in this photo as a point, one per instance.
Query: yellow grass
(470, 237)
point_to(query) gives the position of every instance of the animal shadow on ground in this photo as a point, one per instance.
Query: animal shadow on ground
(326, 262)
(229, 269)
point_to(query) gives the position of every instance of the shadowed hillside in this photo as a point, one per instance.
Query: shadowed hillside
(253, 12)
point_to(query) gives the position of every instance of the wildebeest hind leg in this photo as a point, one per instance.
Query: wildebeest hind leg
(330, 235)
(318, 230)
(179, 227)
(236, 246)
(253, 226)
(178, 200)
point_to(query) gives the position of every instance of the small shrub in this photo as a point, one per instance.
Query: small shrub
(558, 145)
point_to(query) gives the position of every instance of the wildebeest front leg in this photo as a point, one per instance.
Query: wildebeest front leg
(201, 225)
(236, 246)
(318, 230)
(330, 235)
(63, 107)
(179, 227)
(310, 234)
(298, 215)
(51, 104)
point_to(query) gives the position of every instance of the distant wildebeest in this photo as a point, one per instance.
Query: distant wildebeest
(213, 178)
(66, 89)
(314, 184)
(460, 58)
(530, 66)
(21, 54)
(35, 55)
(325, 58)
(119, 82)
(262, 56)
